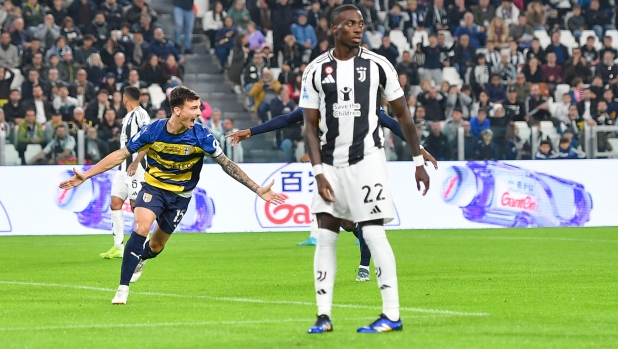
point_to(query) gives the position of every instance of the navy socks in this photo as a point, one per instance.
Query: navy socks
(133, 250)
(364, 249)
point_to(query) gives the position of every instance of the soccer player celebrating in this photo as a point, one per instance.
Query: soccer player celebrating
(176, 148)
(130, 175)
(341, 89)
(297, 116)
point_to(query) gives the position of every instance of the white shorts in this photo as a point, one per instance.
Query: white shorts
(125, 186)
(361, 191)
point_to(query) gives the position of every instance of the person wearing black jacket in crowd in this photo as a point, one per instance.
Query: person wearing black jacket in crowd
(14, 109)
(406, 67)
(282, 12)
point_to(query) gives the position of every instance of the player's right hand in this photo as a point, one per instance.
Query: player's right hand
(238, 136)
(326, 191)
(74, 181)
(422, 176)
(267, 194)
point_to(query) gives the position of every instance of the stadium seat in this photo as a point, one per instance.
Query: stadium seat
(451, 75)
(31, 151)
(448, 38)
(566, 18)
(548, 129)
(561, 89)
(375, 39)
(269, 37)
(551, 106)
(614, 143)
(415, 90)
(157, 96)
(586, 34)
(420, 36)
(382, 16)
(399, 40)
(544, 39)
(275, 72)
(567, 39)
(524, 130)
(614, 35)
(11, 157)
(554, 139)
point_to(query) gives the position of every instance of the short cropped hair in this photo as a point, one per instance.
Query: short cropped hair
(182, 94)
(337, 11)
(132, 92)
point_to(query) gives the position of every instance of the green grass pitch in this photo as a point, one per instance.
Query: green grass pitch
(496, 288)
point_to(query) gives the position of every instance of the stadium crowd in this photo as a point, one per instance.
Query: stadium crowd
(495, 68)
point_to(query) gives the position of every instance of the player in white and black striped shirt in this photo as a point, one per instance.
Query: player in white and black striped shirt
(342, 90)
(130, 175)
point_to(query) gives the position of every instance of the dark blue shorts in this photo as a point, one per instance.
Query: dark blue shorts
(167, 206)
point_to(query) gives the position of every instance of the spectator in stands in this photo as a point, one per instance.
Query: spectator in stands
(49, 128)
(577, 67)
(506, 70)
(406, 67)
(292, 52)
(60, 148)
(69, 31)
(437, 18)
(163, 47)
(95, 70)
(535, 15)
(536, 51)
(561, 51)
(83, 12)
(432, 69)
(522, 32)
(515, 56)
(437, 143)
(32, 80)
(82, 53)
(479, 123)
(282, 12)
(419, 114)
(139, 50)
(20, 37)
(475, 33)
(612, 103)
(33, 13)
(109, 130)
(464, 54)
(456, 14)
(508, 12)
(315, 14)
(574, 121)
(324, 32)
(146, 104)
(514, 109)
(30, 132)
(562, 108)
(536, 106)
(59, 11)
(82, 80)
(388, 50)
(120, 68)
(469, 142)
(577, 23)
(114, 14)
(95, 149)
(184, 19)
(498, 32)
(484, 13)
(608, 69)
(239, 53)
(109, 51)
(418, 58)
(608, 47)
(118, 105)
(172, 72)
(215, 126)
(96, 109)
(486, 148)
(139, 7)
(146, 28)
(483, 103)
(370, 15)
(304, 35)
(134, 80)
(322, 47)
(240, 15)
(417, 19)
(552, 72)
(256, 38)
(212, 22)
(587, 107)
(533, 72)
(78, 122)
(253, 72)
(264, 91)
(6, 78)
(6, 127)
(495, 89)
(545, 152)
(513, 144)
(9, 56)
(456, 99)
(522, 87)
(29, 53)
(68, 68)
(50, 86)
(291, 135)
(452, 125)
(57, 50)
(433, 101)
(597, 87)
(150, 71)
(14, 110)
(395, 19)
(479, 76)
(235, 153)
(566, 151)
(492, 56)
(225, 42)
(597, 19)
(63, 102)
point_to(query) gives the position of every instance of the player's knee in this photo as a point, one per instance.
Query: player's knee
(116, 203)
(156, 246)
(347, 225)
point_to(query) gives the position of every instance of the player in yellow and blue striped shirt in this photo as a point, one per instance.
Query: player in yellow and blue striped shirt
(175, 150)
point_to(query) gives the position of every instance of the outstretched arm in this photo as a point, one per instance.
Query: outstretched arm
(112, 160)
(241, 177)
(274, 124)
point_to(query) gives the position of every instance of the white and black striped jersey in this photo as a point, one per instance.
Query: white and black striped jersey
(131, 124)
(348, 96)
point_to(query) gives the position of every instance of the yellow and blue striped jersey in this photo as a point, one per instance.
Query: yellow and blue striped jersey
(174, 161)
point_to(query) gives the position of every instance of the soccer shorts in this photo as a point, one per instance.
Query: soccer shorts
(361, 191)
(125, 186)
(167, 206)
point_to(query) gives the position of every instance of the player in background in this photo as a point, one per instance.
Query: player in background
(176, 148)
(296, 116)
(130, 175)
(341, 96)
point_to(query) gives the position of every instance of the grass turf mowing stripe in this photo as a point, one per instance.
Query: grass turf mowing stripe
(241, 300)
(534, 238)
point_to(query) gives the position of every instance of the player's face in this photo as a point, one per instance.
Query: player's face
(189, 112)
(348, 28)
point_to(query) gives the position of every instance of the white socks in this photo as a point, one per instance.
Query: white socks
(385, 266)
(314, 228)
(325, 269)
(118, 228)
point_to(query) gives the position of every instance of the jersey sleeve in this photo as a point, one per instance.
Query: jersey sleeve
(140, 141)
(142, 119)
(310, 97)
(209, 143)
(278, 122)
(392, 90)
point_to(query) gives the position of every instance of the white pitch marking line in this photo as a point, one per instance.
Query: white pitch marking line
(515, 238)
(241, 300)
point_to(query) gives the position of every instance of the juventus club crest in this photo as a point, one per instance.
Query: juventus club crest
(345, 94)
(362, 73)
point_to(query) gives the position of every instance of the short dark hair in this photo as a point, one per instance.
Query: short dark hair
(564, 140)
(30, 109)
(339, 10)
(132, 92)
(61, 125)
(182, 94)
(545, 142)
(103, 91)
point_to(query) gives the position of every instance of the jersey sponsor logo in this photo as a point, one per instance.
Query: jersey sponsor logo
(346, 109)
(362, 73)
(305, 95)
(328, 70)
(345, 94)
(296, 182)
(328, 80)
(147, 197)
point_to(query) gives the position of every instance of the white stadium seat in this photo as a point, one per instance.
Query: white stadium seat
(614, 143)
(451, 75)
(375, 39)
(567, 39)
(269, 37)
(382, 16)
(275, 72)
(614, 35)
(420, 36)
(11, 157)
(31, 151)
(551, 106)
(547, 128)
(544, 39)
(561, 89)
(524, 130)
(448, 38)
(586, 34)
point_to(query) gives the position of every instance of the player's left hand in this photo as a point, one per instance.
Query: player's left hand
(268, 195)
(238, 136)
(430, 158)
(74, 181)
(422, 176)
(132, 168)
